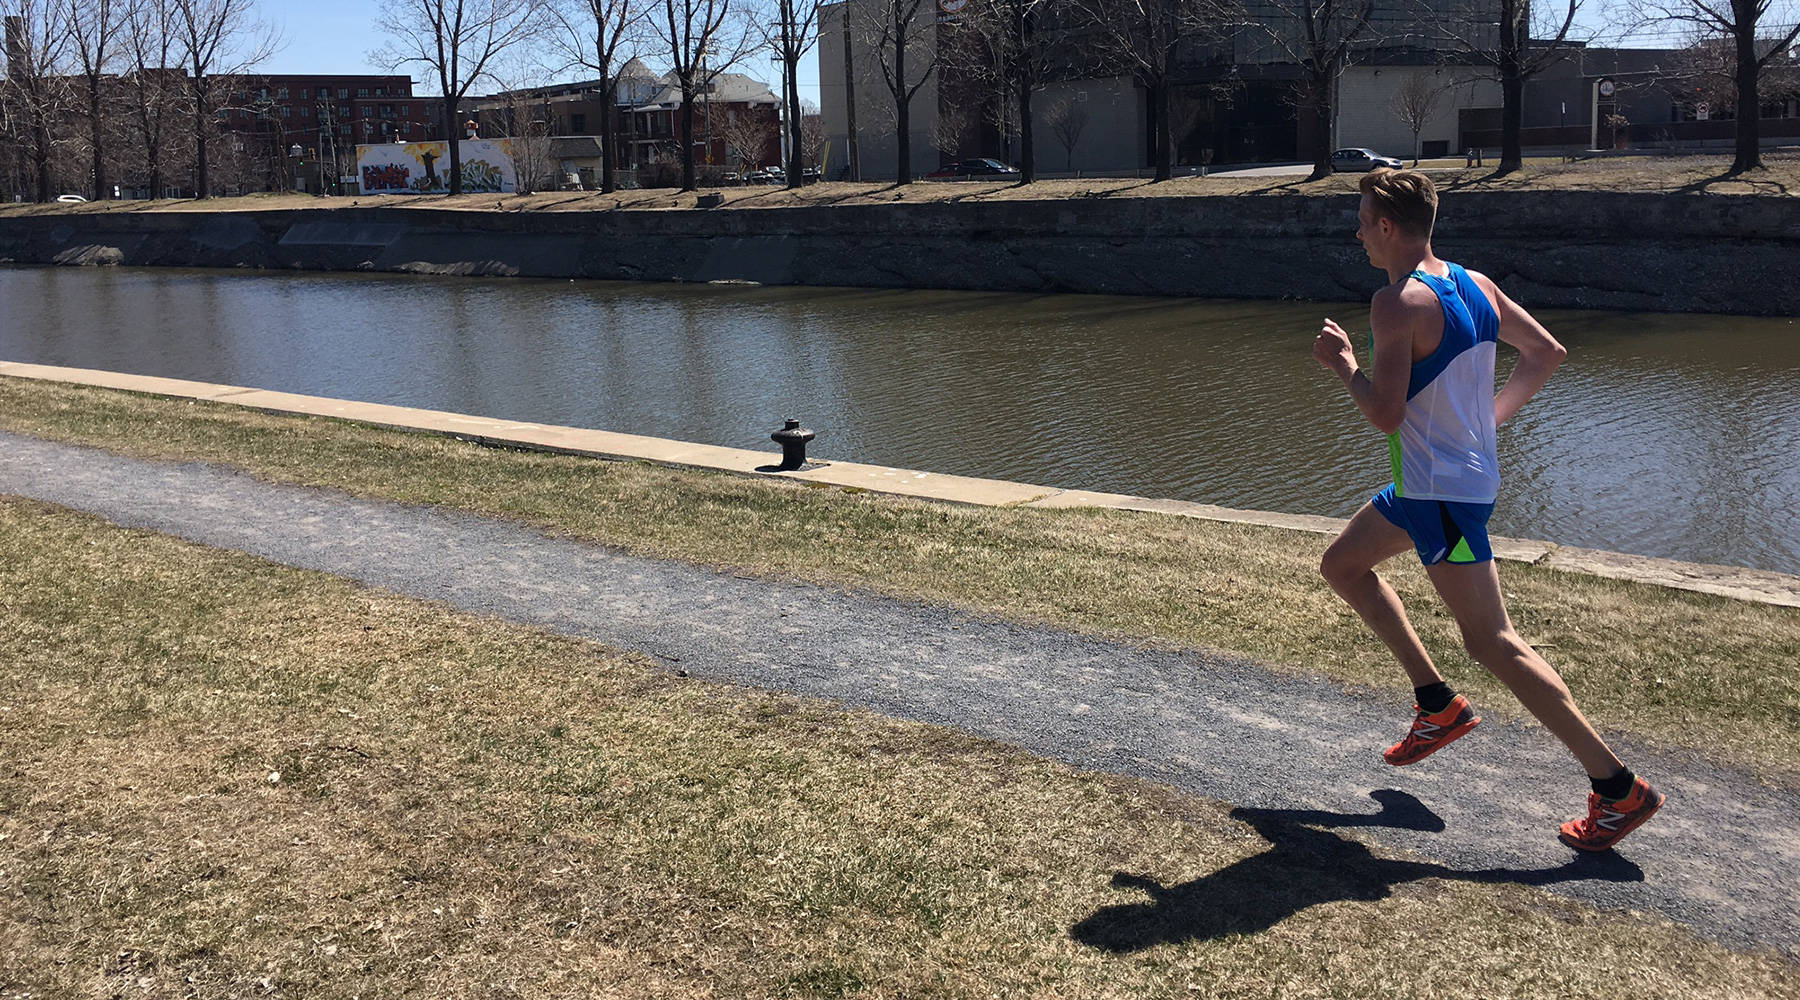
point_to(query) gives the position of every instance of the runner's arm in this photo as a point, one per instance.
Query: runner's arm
(1381, 396)
(1539, 354)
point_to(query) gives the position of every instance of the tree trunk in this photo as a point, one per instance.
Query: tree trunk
(1749, 130)
(1159, 102)
(450, 115)
(609, 106)
(1319, 83)
(1027, 147)
(41, 157)
(902, 100)
(853, 157)
(202, 171)
(687, 140)
(796, 167)
(94, 130)
(1512, 86)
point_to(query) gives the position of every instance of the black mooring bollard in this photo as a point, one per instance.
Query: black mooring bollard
(792, 438)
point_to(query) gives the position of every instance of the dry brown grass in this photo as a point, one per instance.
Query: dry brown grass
(221, 778)
(1652, 174)
(1667, 666)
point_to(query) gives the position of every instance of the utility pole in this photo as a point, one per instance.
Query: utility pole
(850, 97)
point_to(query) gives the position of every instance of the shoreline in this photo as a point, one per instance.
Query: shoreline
(1551, 249)
(1738, 583)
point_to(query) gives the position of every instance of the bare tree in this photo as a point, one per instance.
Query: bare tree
(747, 133)
(601, 35)
(1738, 22)
(36, 92)
(812, 131)
(155, 90)
(456, 41)
(796, 31)
(94, 27)
(1527, 38)
(947, 130)
(895, 30)
(1013, 45)
(1067, 117)
(1317, 36)
(1139, 38)
(220, 39)
(1414, 103)
(525, 118)
(703, 39)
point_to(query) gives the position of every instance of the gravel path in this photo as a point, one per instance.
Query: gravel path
(1721, 858)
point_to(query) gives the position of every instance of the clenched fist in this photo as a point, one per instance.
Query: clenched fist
(1332, 349)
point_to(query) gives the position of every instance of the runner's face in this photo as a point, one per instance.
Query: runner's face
(1369, 231)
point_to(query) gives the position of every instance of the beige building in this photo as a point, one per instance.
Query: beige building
(1233, 101)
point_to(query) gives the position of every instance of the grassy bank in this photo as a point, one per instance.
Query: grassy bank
(1780, 177)
(1667, 666)
(222, 778)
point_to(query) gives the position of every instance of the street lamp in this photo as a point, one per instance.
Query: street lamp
(294, 152)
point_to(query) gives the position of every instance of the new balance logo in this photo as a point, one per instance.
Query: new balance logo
(1610, 820)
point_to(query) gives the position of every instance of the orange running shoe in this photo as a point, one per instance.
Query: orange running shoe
(1608, 820)
(1432, 732)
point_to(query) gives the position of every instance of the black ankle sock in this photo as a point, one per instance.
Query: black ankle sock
(1434, 698)
(1616, 787)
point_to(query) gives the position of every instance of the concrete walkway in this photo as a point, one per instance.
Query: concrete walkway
(1725, 581)
(1302, 756)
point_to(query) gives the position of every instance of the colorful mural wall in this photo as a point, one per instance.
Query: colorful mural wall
(424, 167)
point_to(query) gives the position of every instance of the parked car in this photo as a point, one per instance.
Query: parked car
(969, 169)
(1362, 158)
(71, 198)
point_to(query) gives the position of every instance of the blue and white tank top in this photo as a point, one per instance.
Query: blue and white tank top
(1444, 449)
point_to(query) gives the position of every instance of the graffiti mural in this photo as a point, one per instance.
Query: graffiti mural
(388, 177)
(423, 167)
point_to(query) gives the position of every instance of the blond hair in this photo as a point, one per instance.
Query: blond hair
(1407, 197)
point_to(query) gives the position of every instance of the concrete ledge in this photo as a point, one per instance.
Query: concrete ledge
(1757, 586)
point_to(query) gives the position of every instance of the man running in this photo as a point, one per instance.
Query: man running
(1431, 390)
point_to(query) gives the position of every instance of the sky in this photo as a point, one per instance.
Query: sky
(336, 36)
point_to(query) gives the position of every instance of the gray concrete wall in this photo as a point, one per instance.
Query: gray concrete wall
(1573, 249)
(1109, 140)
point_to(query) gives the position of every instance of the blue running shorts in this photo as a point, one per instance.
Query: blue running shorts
(1442, 531)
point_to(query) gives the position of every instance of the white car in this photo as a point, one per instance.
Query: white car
(70, 198)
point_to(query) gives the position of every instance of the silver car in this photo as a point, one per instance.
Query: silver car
(1361, 158)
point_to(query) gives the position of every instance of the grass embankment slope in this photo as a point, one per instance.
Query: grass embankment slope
(1669, 666)
(1707, 175)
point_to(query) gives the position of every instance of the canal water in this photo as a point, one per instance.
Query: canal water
(1666, 435)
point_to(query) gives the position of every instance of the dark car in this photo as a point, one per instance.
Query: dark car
(1362, 158)
(966, 169)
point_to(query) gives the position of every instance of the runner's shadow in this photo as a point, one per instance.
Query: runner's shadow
(1305, 867)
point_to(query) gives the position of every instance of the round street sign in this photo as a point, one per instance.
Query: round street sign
(1606, 88)
(952, 6)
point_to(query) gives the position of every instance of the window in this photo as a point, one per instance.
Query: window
(362, 91)
(578, 124)
(343, 130)
(306, 111)
(404, 111)
(282, 93)
(368, 112)
(287, 112)
(343, 111)
(380, 91)
(325, 92)
(343, 93)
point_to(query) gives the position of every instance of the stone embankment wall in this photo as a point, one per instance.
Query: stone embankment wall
(1570, 249)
